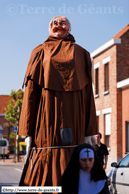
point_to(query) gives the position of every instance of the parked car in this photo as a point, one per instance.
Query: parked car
(119, 176)
(4, 147)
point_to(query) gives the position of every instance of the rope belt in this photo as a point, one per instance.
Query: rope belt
(54, 147)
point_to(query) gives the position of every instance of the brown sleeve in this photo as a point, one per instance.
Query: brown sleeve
(89, 64)
(91, 119)
(29, 109)
(35, 69)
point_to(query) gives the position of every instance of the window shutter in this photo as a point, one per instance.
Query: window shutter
(107, 124)
(97, 81)
(106, 77)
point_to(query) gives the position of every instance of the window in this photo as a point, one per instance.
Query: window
(96, 81)
(3, 143)
(106, 76)
(107, 129)
(124, 162)
(127, 136)
(107, 140)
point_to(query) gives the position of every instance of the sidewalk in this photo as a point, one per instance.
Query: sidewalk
(12, 160)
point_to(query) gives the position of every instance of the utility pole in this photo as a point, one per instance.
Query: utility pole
(17, 150)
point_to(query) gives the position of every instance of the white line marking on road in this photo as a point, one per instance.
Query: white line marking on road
(18, 169)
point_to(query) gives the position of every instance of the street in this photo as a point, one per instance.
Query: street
(10, 174)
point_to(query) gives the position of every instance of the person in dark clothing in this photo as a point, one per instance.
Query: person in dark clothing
(84, 173)
(101, 150)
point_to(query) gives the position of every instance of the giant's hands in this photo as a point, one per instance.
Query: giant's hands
(87, 140)
(28, 141)
(90, 140)
(93, 139)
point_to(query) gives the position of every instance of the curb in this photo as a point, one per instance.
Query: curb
(11, 160)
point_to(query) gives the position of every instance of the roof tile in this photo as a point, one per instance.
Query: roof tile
(121, 32)
(4, 102)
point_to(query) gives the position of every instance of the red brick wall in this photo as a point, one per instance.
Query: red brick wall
(3, 103)
(119, 123)
(123, 58)
(125, 116)
(122, 73)
(109, 100)
(117, 99)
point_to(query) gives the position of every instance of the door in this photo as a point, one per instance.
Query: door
(126, 175)
(122, 176)
(119, 180)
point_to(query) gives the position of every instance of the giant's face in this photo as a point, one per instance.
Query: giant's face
(59, 27)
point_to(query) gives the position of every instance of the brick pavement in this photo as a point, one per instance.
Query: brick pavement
(12, 159)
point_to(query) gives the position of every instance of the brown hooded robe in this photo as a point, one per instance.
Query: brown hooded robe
(58, 100)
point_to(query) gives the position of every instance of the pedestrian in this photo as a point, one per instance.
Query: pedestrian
(84, 173)
(58, 108)
(101, 150)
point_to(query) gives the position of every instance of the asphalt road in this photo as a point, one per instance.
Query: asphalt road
(10, 174)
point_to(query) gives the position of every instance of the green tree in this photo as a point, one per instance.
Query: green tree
(13, 111)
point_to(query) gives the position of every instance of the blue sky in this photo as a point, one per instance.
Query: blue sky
(24, 25)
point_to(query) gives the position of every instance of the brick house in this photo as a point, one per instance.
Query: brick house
(3, 103)
(111, 92)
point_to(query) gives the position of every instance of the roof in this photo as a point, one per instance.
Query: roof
(115, 40)
(4, 102)
(124, 83)
(105, 46)
(121, 32)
